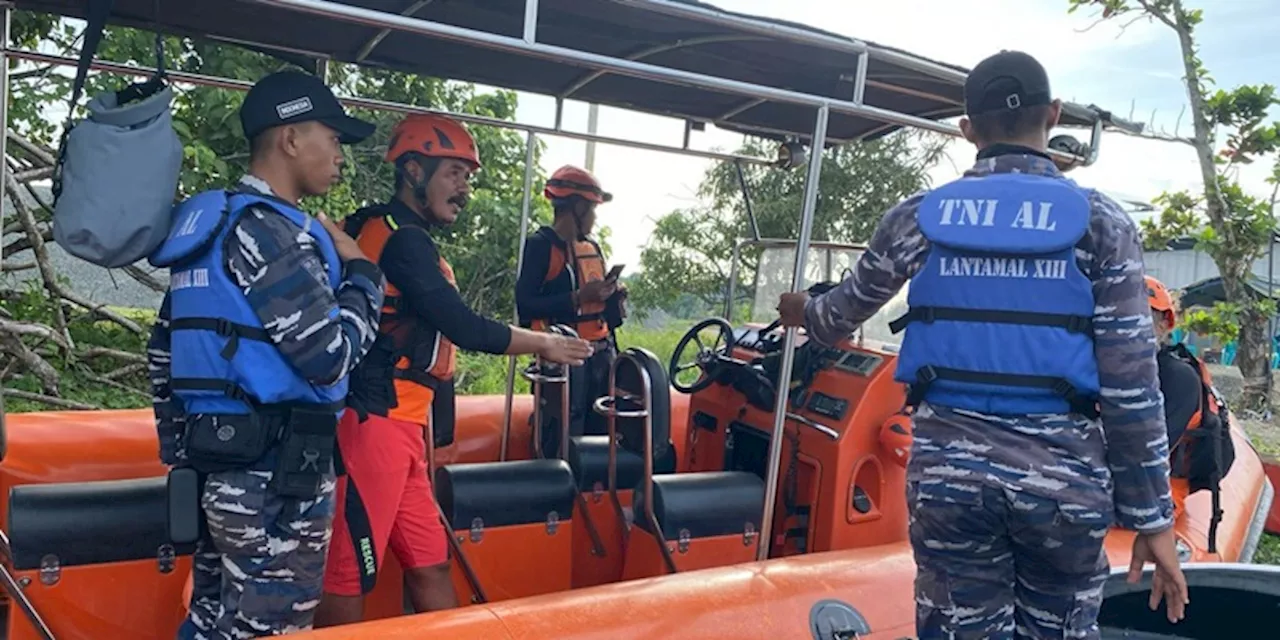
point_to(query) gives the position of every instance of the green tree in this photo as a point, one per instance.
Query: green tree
(691, 249)
(481, 245)
(40, 333)
(1231, 128)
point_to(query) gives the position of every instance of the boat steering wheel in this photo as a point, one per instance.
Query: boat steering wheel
(708, 360)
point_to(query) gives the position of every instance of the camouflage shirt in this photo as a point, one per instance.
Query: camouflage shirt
(1120, 462)
(322, 333)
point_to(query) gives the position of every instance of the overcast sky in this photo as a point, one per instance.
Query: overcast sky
(1137, 72)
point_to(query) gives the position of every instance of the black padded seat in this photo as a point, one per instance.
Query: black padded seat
(505, 493)
(628, 380)
(84, 523)
(715, 503)
(589, 459)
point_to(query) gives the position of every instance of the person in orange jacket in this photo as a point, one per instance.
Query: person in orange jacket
(564, 281)
(403, 390)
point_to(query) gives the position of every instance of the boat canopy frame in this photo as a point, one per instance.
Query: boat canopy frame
(677, 58)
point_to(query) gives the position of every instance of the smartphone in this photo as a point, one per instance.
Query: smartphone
(614, 272)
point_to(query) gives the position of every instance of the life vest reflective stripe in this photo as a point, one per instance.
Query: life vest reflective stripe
(588, 261)
(1000, 316)
(425, 365)
(223, 359)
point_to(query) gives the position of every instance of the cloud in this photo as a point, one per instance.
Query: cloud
(1135, 73)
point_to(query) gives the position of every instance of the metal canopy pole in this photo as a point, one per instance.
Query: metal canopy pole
(382, 105)
(563, 55)
(789, 344)
(6, 15)
(525, 207)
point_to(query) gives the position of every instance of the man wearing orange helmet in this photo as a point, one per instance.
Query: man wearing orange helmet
(1194, 412)
(402, 394)
(1179, 381)
(563, 281)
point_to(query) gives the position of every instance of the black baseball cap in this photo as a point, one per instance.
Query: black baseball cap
(1008, 80)
(288, 97)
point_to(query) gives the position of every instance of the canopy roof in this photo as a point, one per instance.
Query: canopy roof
(679, 34)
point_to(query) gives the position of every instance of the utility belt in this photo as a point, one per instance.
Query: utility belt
(304, 436)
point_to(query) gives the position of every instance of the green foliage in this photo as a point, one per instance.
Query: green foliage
(1232, 226)
(691, 249)
(482, 245)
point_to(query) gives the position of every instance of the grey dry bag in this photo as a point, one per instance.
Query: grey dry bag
(117, 171)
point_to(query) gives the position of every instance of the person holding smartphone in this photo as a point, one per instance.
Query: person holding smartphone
(564, 281)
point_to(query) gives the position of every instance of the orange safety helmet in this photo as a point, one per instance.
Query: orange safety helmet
(434, 136)
(1159, 299)
(570, 181)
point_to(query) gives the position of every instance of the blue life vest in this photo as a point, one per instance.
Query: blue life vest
(1001, 316)
(223, 359)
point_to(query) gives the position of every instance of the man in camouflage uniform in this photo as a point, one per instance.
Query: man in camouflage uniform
(258, 570)
(1009, 511)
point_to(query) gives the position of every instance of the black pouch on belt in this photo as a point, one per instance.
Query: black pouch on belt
(221, 442)
(185, 518)
(306, 453)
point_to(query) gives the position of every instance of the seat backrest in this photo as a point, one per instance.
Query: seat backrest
(628, 380)
(83, 523)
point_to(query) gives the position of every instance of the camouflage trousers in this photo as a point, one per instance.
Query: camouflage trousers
(994, 563)
(259, 569)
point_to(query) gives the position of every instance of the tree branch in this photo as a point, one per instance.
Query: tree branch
(145, 279)
(103, 352)
(50, 400)
(42, 256)
(1158, 14)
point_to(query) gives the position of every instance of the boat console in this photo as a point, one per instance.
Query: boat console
(841, 485)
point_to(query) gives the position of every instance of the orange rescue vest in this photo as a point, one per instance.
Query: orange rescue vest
(588, 265)
(418, 367)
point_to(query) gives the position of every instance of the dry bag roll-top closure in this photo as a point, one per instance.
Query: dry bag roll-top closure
(117, 170)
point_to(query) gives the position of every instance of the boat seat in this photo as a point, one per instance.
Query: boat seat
(513, 521)
(89, 550)
(589, 459)
(709, 519)
(704, 505)
(628, 381)
(83, 523)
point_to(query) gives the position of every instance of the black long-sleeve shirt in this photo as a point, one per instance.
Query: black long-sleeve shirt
(535, 297)
(411, 262)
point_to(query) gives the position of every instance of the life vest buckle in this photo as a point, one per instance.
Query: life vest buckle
(926, 375)
(926, 315)
(224, 327)
(1079, 324)
(1064, 389)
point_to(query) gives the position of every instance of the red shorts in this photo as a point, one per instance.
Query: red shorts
(385, 497)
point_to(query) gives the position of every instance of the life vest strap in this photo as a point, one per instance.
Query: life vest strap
(419, 377)
(925, 377)
(236, 392)
(1073, 324)
(224, 328)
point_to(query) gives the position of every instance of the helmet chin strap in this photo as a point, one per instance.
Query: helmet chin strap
(420, 196)
(577, 223)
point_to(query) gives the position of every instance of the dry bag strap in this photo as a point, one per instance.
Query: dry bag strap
(96, 23)
(925, 377)
(1073, 324)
